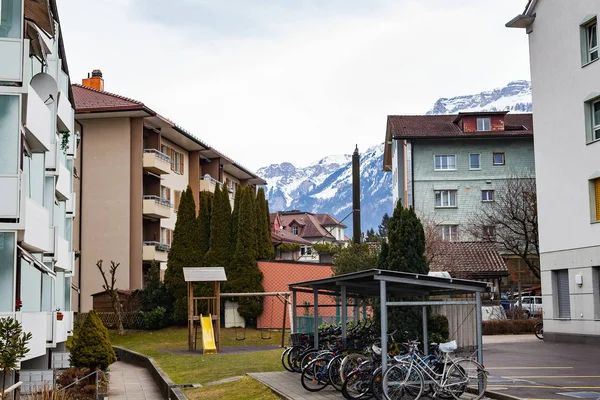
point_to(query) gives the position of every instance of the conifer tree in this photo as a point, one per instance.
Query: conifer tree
(204, 206)
(235, 215)
(184, 253)
(263, 227)
(220, 231)
(382, 261)
(91, 345)
(246, 277)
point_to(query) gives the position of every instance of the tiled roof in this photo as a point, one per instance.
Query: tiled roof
(327, 220)
(88, 99)
(309, 222)
(287, 237)
(469, 260)
(277, 275)
(443, 126)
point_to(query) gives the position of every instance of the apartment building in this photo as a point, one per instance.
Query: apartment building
(450, 166)
(565, 77)
(37, 153)
(134, 164)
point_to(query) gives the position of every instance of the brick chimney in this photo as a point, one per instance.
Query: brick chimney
(95, 81)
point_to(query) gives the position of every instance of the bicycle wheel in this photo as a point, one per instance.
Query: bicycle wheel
(402, 382)
(333, 369)
(293, 358)
(314, 375)
(350, 363)
(284, 359)
(538, 329)
(466, 375)
(307, 357)
(358, 383)
(377, 384)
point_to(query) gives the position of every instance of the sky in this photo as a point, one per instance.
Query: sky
(268, 81)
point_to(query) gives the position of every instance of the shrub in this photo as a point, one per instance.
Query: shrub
(91, 345)
(508, 326)
(154, 319)
(437, 326)
(326, 248)
(84, 389)
(287, 247)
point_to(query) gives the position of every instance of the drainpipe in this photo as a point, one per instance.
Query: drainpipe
(80, 214)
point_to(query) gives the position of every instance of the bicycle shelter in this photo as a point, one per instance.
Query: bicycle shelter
(383, 284)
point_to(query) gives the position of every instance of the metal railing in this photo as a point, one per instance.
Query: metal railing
(157, 245)
(158, 154)
(159, 200)
(209, 178)
(97, 372)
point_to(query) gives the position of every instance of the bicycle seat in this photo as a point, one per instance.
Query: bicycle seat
(448, 347)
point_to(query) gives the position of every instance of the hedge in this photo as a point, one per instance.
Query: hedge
(509, 326)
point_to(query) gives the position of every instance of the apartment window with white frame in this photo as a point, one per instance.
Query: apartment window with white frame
(589, 45)
(484, 124)
(295, 230)
(474, 161)
(445, 198)
(489, 233)
(595, 120)
(487, 195)
(449, 233)
(444, 162)
(498, 158)
(165, 192)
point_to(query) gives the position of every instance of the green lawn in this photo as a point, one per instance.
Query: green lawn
(245, 388)
(185, 368)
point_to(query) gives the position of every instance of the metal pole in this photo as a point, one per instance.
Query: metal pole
(293, 327)
(478, 328)
(316, 317)
(384, 325)
(285, 304)
(344, 314)
(425, 332)
(356, 196)
(356, 316)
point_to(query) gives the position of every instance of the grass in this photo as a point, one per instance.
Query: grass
(245, 388)
(186, 368)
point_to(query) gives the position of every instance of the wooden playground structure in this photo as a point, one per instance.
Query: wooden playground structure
(216, 275)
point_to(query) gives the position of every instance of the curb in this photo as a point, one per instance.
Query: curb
(166, 386)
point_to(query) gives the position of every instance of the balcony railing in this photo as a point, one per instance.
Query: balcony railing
(157, 245)
(158, 200)
(158, 154)
(212, 180)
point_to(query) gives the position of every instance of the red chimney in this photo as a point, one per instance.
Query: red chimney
(95, 82)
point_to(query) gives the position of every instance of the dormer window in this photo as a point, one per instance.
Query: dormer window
(484, 124)
(295, 230)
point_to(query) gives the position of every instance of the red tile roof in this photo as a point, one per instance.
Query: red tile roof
(287, 237)
(311, 226)
(443, 126)
(88, 99)
(469, 260)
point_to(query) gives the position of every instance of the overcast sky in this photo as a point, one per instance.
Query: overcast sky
(267, 81)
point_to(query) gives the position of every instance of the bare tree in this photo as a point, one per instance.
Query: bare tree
(510, 220)
(112, 291)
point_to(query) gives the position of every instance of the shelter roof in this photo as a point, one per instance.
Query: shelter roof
(204, 274)
(469, 260)
(398, 284)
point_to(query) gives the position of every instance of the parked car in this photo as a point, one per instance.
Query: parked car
(531, 305)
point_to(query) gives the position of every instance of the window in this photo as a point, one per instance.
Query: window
(498, 158)
(176, 199)
(590, 45)
(562, 293)
(596, 120)
(295, 230)
(474, 162)
(7, 270)
(487, 195)
(444, 162)
(445, 198)
(166, 236)
(176, 158)
(489, 233)
(165, 192)
(9, 133)
(449, 233)
(483, 124)
(595, 195)
(10, 19)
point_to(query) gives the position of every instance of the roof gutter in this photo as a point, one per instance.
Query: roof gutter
(521, 21)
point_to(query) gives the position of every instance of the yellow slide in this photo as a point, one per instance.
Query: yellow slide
(208, 335)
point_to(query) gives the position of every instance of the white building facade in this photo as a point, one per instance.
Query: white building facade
(37, 203)
(565, 75)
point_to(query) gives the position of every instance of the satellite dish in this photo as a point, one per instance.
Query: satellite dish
(46, 87)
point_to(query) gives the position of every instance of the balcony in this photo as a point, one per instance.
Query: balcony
(156, 162)
(62, 255)
(155, 251)
(208, 184)
(65, 114)
(63, 182)
(12, 60)
(37, 223)
(39, 123)
(156, 207)
(30, 322)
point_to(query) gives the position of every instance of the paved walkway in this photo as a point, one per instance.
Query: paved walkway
(129, 382)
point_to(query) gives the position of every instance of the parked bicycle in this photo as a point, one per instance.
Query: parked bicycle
(538, 330)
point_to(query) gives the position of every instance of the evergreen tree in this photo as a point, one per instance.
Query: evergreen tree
(384, 225)
(246, 277)
(354, 258)
(204, 222)
(184, 253)
(91, 346)
(154, 294)
(220, 231)
(382, 261)
(235, 216)
(407, 242)
(263, 227)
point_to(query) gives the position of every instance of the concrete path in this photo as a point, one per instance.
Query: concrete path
(129, 382)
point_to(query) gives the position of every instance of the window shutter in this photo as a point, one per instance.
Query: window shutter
(597, 182)
(564, 300)
(177, 195)
(181, 163)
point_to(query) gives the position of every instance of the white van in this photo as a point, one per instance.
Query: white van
(532, 305)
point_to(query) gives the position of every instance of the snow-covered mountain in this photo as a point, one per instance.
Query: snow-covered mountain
(326, 185)
(514, 97)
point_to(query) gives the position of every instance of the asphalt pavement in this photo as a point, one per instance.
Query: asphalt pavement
(528, 368)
